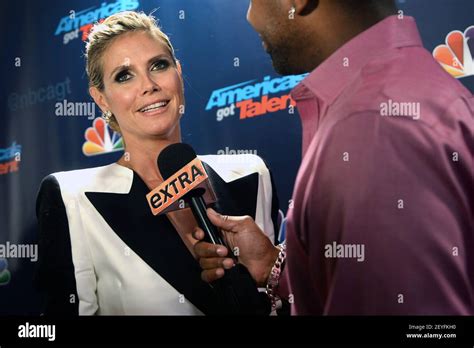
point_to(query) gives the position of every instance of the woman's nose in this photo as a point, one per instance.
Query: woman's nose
(149, 85)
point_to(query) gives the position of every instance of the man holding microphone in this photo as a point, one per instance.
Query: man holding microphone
(381, 221)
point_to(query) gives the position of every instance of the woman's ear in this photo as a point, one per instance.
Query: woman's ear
(99, 98)
(178, 66)
(180, 72)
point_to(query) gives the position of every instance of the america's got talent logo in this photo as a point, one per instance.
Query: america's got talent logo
(69, 26)
(10, 159)
(252, 98)
(456, 55)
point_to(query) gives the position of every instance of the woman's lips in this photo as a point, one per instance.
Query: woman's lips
(155, 110)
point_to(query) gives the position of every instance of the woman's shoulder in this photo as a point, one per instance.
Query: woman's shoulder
(235, 165)
(108, 178)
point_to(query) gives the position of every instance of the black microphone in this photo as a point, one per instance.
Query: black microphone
(237, 291)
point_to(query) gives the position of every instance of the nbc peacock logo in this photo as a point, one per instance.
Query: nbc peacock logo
(101, 139)
(456, 56)
(5, 275)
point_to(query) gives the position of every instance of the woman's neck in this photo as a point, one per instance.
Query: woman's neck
(141, 156)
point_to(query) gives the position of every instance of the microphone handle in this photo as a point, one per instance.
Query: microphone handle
(236, 290)
(198, 207)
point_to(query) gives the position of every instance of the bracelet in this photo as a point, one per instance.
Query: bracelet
(274, 277)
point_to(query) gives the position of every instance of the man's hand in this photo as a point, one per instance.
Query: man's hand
(247, 242)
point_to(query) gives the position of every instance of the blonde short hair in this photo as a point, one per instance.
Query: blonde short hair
(102, 35)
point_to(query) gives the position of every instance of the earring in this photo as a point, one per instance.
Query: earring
(291, 12)
(107, 116)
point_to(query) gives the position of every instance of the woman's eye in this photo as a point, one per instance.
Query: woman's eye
(125, 75)
(122, 76)
(160, 64)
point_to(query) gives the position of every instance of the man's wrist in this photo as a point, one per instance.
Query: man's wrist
(262, 279)
(274, 276)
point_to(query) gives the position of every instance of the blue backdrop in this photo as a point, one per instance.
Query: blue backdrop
(43, 70)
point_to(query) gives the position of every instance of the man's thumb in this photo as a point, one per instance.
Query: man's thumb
(224, 222)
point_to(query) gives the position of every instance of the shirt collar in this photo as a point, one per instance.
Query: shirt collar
(330, 78)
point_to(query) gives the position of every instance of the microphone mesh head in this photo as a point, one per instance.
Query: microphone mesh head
(174, 157)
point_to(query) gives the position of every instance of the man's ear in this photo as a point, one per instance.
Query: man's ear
(99, 98)
(305, 7)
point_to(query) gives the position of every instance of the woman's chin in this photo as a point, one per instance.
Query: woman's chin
(158, 126)
(159, 132)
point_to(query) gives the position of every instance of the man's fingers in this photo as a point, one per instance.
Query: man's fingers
(211, 275)
(225, 222)
(215, 263)
(198, 233)
(204, 249)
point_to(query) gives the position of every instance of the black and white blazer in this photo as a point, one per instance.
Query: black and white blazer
(102, 252)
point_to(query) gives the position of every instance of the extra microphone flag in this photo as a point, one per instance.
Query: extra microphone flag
(167, 196)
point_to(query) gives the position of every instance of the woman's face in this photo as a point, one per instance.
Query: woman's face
(142, 87)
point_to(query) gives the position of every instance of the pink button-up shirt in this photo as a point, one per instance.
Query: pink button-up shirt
(382, 216)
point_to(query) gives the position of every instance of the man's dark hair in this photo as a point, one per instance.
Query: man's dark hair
(367, 6)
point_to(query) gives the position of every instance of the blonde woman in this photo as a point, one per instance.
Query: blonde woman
(101, 249)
